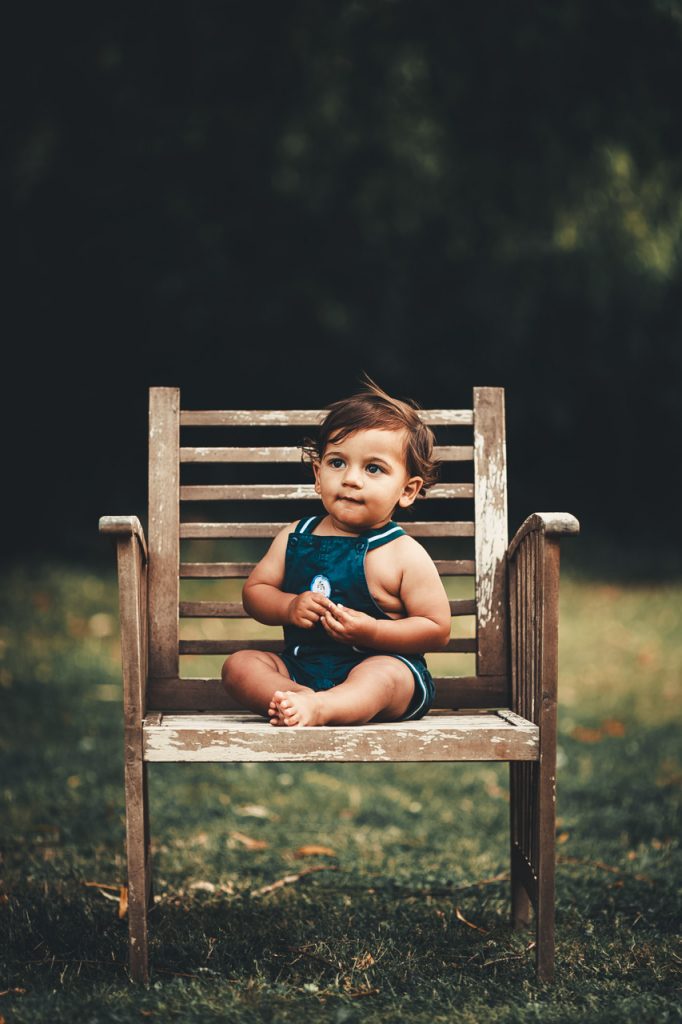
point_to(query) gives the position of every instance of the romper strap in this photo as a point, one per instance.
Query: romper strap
(390, 532)
(308, 525)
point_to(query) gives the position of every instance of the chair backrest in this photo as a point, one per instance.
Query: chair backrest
(255, 443)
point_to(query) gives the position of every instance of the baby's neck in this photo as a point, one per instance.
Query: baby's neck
(329, 528)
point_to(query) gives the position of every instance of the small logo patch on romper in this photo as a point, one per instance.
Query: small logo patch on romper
(321, 585)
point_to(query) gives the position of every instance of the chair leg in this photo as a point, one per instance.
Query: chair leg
(149, 878)
(533, 817)
(520, 900)
(546, 861)
(139, 863)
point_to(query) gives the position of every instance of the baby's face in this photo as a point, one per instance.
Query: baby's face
(362, 479)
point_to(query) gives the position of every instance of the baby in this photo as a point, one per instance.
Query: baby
(358, 598)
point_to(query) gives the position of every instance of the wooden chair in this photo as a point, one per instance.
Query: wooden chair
(506, 711)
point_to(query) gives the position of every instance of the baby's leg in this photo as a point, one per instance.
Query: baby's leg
(252, 677)
(380, 687)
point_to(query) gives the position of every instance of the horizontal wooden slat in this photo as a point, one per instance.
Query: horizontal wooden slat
(456, 567)
(235, 609)
(247, 737)
(199, 531)
(195, 694)
(458, 645)
(212, 610)
(445, 453)
(240, 570)
(272, 454)
(229, 646)
(302, 417)
(292, 492)
(215, 570)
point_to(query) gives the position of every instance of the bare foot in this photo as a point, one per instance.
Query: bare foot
(297, 707)
(274, 712)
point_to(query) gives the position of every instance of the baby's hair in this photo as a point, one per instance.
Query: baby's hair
(371, 409)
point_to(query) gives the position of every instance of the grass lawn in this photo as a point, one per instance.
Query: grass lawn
(392, 902)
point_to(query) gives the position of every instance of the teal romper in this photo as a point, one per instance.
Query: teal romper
(335, 567)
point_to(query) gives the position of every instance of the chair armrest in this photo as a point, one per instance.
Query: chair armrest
(533, 590)
(550, 523)
(124, 526)
(132, 558)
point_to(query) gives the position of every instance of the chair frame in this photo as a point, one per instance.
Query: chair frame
(507, 711)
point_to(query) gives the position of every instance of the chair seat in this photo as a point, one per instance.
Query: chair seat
(207, 736)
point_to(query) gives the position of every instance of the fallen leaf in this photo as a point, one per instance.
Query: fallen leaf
(602, 867)
(13, 992)
(583, 734)
(248, 842)
(313, 850)
(108, 896)
(669, 773)
(613, 727)
(563, 837)
(203, 887)
(460, 917)
(290, 879)
(254, 811)
(123, 902)
(632, 855)
(361, 963)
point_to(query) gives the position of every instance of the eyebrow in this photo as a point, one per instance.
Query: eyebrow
(335, 452)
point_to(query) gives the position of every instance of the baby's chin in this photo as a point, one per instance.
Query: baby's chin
(354, 518)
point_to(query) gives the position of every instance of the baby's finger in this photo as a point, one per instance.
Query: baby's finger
(330, 629)
(334, 625)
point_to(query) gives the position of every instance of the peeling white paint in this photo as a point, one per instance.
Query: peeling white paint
(227, 738)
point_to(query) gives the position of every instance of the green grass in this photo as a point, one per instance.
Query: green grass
(377, 935)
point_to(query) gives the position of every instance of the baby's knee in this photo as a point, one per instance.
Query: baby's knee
(235, 668)
(387, 676)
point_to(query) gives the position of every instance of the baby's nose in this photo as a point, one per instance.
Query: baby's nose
(352, 476)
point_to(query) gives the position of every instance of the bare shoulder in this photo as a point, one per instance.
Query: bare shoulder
(413, 555)
(270, 569)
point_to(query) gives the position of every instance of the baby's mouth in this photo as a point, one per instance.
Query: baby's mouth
(354, 501)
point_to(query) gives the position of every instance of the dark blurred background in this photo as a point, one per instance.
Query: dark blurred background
(256, 202)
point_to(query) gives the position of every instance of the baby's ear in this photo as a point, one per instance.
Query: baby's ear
(410, 491)
(316, 471)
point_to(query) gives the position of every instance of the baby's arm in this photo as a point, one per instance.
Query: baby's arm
(264, 599)
(426, 625)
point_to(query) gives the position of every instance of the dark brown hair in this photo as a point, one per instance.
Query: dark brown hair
(372, 409)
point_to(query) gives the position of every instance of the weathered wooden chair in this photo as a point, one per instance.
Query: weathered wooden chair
(505, 712)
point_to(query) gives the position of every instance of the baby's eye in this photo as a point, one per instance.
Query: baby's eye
(373, 469)
(335, 463)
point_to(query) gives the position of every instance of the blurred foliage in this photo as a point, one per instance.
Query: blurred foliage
(255, 202)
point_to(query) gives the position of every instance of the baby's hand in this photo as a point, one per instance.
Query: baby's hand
(349, 626)
(307, 609)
